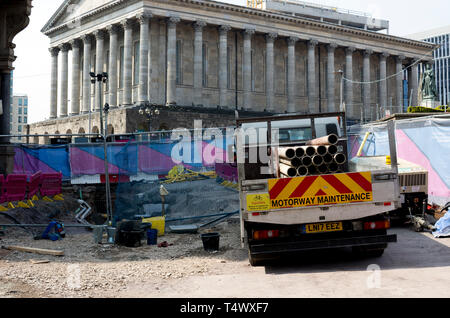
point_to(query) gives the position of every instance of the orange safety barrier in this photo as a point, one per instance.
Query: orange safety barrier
(51, 184)
(34, 184)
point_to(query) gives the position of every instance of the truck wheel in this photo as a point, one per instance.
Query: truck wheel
(375, 253)
(362, 251)
(255, 260)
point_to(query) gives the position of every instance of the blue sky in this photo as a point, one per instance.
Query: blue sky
(32, 73)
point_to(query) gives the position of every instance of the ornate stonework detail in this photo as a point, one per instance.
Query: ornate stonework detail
(99, 35)
(75, 43)
(113, 29)
(292, 40)
(144, 17)
(400, 58)
(54, 51)
(64, 47)
(127, 24)
(270, 37)
(86, 38)
(223, 29)
(312, 43)
(367, 52)
(199, 25)
(350, 50)
(173, 21)
(332, 47)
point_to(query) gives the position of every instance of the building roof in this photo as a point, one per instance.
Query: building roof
(429, 33)
(65, 11)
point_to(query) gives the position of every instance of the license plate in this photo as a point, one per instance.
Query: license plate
(323, 227)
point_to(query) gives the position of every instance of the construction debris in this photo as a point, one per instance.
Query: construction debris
(34, 250)
(181, 174)
(39, 261)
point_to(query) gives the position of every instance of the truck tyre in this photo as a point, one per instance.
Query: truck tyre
(374, 251)
(255, 260)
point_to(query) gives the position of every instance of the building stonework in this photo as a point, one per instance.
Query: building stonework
(209, 54)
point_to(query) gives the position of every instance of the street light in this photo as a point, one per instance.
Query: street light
(149, 111)
(99, 78)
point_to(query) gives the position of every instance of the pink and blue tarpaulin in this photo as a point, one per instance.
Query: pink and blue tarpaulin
(422, 141)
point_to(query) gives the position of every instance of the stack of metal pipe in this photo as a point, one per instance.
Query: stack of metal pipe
(318, 156)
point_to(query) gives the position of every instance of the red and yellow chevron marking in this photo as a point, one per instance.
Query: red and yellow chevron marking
(320, 190)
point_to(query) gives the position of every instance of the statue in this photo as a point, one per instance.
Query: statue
(428, 85)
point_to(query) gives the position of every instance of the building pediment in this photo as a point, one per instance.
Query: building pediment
(71, 10)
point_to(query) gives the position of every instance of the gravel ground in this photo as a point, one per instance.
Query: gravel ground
(105, 270)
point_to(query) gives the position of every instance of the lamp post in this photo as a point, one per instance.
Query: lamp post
(99, 79)
(149, 111)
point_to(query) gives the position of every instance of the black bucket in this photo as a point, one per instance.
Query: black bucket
(210, 241)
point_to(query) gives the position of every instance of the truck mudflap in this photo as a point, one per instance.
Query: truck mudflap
(298, 246)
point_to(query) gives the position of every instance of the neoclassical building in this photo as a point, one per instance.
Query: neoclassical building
(203, 54)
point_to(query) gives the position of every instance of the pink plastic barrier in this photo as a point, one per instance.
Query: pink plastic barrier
(2, 189)
(227, 171)
(51, 184)
(16, 187)
(33, 184)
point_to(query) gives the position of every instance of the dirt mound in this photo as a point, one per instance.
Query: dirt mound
(42, 213)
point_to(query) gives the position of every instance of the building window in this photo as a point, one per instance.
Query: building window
(20, 110)
(19, 128)
(20, 119)
(20, 101)
(204, 65)
(121, 66)
(25, 120)
(25, 111)
(136, 57)
(179, 77)
(25, 102)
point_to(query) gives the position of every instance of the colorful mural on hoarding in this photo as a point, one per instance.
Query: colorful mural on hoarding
(153, 158)
(422, 141)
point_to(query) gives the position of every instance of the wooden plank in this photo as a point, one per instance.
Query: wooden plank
(34, 250)
(41, 261)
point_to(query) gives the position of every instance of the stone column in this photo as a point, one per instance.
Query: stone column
(223, 70)
(414, 83)
(127, 62)
(87, 42)
(113, 31)
(291, 75)
(171, 98)
(270, 104)
(54, 84)
(99, 62)
(75, 96)
(64, 80)
(350, 109)
(312, 92)
(383, 83)
(198, 62)
(331, 78)
(247, 67)
(399, 80)
(366, 78)
(144, 21)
